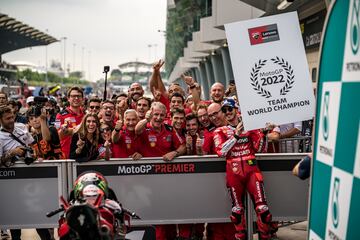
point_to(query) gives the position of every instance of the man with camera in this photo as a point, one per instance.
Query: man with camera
(51, 110)
(46, 143)
(15, 140)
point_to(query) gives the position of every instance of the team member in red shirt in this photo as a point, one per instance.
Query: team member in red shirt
(194, 137)
(217, 119)
(121, 104)
(158, 88)
(142, 106)
(159, 140)
(135, 92)
(178, 122)
(217, 93)
(107, 113)
(69, 118)
(242, 173)
(176, 101)
(125, 143)
(203, 117)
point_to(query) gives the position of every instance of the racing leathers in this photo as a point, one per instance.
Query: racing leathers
(243, 174)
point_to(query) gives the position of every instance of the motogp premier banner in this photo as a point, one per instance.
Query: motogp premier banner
(271, 71)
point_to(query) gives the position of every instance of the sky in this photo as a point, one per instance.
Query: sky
(98, 32)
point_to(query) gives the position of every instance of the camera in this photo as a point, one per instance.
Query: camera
(39, 103)
(27, 158)
(106, 69)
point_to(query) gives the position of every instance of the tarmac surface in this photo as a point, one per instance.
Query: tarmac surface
(296, 231)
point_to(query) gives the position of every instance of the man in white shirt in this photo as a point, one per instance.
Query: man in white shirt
(10, 147)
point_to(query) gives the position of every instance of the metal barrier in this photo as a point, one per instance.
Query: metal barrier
(151, 187)
(300, 144)
(29, 192)
(189, 189)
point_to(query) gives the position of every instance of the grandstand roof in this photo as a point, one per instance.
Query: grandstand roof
(135, 64)
(16, 35)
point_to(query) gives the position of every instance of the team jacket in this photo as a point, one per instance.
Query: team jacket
(249, 143)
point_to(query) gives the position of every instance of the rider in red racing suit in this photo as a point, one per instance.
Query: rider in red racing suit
(242, 173)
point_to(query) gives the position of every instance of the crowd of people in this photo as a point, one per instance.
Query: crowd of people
(174, 122)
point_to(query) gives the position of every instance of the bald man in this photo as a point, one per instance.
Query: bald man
(216, 116)
(217, 92)
(135, 92)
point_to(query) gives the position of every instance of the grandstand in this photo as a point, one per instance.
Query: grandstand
(16, 35)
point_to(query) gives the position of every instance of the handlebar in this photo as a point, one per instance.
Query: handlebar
(131, 214)
(52, 213)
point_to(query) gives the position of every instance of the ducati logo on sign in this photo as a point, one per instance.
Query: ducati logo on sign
(263, 34)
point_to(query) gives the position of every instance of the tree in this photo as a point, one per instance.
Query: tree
(115, 73)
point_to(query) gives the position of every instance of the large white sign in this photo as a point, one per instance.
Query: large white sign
(271, 71)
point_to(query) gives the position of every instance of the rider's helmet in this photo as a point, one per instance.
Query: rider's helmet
(89, 185)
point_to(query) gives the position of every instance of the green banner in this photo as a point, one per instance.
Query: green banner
(335, 185)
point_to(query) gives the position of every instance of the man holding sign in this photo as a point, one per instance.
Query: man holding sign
(242, 173)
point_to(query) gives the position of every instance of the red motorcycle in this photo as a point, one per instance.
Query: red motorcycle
(92, 211)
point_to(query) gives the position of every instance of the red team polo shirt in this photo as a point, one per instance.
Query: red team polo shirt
(208, 146)
(127, 145)
(75, 119)
(158, 144)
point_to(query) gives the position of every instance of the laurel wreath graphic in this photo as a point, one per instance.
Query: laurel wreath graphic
(289, 72)
(254, 79)
(289, 80)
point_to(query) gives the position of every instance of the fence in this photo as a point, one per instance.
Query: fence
(187, 190)
(29, 192)
(300, 144)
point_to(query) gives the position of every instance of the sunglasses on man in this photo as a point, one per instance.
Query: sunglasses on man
(227, 109)
(102, 130)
